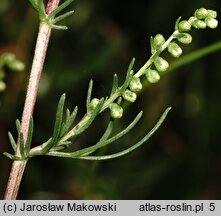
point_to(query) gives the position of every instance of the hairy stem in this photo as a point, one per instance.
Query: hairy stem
(18, 167)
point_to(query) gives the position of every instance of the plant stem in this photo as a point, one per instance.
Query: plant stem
(18, 167)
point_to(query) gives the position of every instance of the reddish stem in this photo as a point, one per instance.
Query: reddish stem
(18, 167)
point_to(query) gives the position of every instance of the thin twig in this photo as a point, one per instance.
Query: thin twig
(18, 167)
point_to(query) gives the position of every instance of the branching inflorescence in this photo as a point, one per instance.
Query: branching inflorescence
(64, 132)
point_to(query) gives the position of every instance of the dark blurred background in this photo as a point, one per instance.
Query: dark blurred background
(181, 161)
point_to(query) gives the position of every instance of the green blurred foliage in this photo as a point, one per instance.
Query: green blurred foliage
(182, 160)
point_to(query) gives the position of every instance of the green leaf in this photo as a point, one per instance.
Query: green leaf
(60, 8)
(39, 6)
(107, 132)
(34, 3)
(132, 148)
(62, 17)
(130, 67)
(152, 46)
(119, 154)
(177, 22)
(12, 141)
(30, 134)
(59, 118)
(127, 81)
(89, 92)
(103, 142)
(59, 27)
(12, 157)
(104, 137)
(57, 127)
(22, 145)
(18, 126)
(129, 75)
(69, 120)
(115, 84)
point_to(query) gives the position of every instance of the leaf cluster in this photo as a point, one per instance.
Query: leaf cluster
(50, 18)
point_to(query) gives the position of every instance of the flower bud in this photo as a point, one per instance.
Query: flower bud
(199, 24)
(184, 26)
(192, 19)
(158, 41)
(161, 64)
(94, 102)
(201, 13)
(8, 57)
(212, 13)
(174, 49)
(135, 84)
(2, 86)
(211, 22)
(16, 65)
(152, 76)
(129, 96)
(116, 111)
(185, 38)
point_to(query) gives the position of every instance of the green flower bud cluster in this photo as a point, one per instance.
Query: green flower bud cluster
(129, 95)
(156, 64)
(202, 18)
(9, 61)
(207, 18)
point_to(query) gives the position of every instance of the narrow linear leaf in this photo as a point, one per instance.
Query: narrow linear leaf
(130, 67)
(177, 22)
(61, 147)
(82, 125)
(34, 4)
(89, 92)
(22, 145)
(60, 8)
(59, 118)
(41, 8)
(103, 138)
(67, 117)
(18, 126)
(195, 55)
(62, 17)
(135, 146)
(30, 134)
(12, 157)
(115, 84)
(107, 132)
(129, 75)
(102, 143)
(151, 45)
(12, 141)
(59, 27)
(68, 113)
(127, 80)
(57, 127)
(69, 121)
